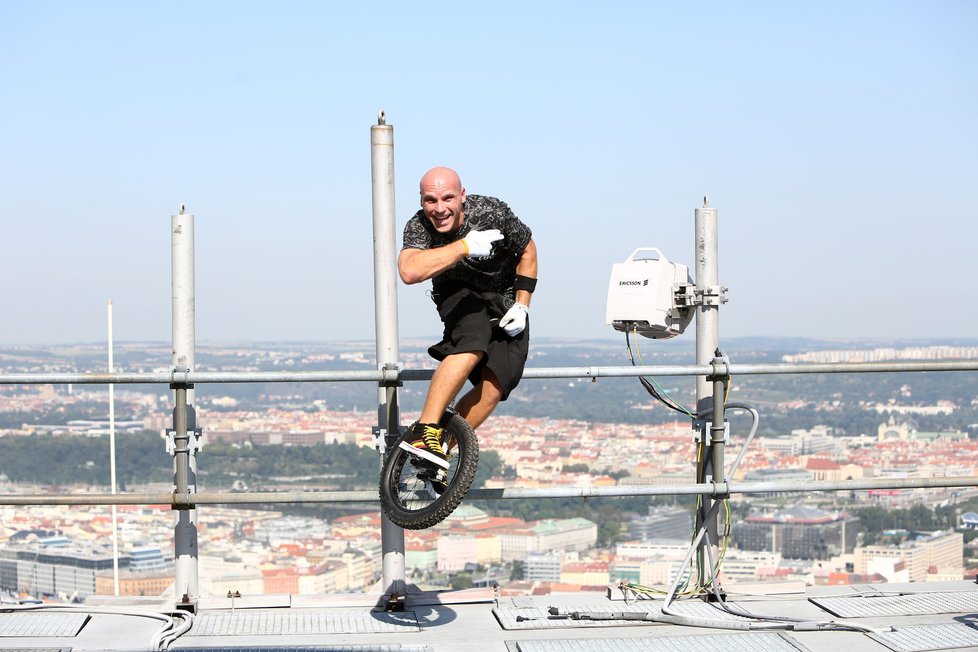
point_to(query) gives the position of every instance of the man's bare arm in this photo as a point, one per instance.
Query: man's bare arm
(418, 265)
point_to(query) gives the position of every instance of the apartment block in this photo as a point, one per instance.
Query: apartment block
(798, 533)
(54, 568)
(941, 551)
(542, 567)
(662, 523)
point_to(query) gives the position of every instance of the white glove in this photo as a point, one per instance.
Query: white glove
(479, 243)
(514, 321)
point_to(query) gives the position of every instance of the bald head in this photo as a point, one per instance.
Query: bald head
(443, 199)
(441, 178)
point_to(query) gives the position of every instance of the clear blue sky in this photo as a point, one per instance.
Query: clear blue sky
(837, 139)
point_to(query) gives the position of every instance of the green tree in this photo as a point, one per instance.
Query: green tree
(490, 466)
(576, 468)
(462, 581)
(517, 573)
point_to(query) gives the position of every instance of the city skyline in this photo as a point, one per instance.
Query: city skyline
(837, 143)
(555, 452)
(910, 429)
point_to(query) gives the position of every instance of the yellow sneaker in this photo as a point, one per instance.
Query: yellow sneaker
(424, 441)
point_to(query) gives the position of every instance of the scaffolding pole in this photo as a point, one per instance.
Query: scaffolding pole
(531, 373)
(707, 351)
(184, 422)
(385, 319)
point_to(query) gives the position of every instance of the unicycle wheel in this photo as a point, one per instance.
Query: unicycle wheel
(416, 494)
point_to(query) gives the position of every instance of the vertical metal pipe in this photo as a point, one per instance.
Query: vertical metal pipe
(707, 317)
(185, 463)
(707, 342)
(718, 430)
(181, 440)
(718, 436)
(385, 317)
(183, 298)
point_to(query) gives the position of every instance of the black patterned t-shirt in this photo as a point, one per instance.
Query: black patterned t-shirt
(494, 273)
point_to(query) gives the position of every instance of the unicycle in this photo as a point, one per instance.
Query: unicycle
(410, 488)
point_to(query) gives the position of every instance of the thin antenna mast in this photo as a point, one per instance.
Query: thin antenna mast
(115, 522)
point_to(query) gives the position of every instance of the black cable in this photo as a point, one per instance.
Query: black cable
(650, 388)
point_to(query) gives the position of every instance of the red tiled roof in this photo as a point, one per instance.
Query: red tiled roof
(821, 464)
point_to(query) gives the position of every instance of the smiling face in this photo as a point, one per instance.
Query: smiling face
(442, 199)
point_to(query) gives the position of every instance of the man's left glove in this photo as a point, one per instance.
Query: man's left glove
(514, 321)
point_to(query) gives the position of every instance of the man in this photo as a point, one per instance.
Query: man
(482, 263)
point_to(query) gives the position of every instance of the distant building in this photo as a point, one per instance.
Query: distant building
(570, 534)
(454, 552)
(662, 524)
(906, 430)
(798, 533)
(420, 555)
(648, 563)
(566, 534)
(517, 543)
(220, 576)
(56, 570)
(541, 567)
(585, 573)
(777, 475)
(969, 521)
(802, 442)
(148, 559)
(934, 552)
(55, 566)
(937, 352)
(280, 580)
(749, 566)
(134, 583)
(287, 529)
(823, 469)
(276, 437)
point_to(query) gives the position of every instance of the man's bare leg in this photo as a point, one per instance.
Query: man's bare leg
(476, 406)
(449, 377)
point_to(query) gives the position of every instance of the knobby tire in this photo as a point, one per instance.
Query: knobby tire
(403, 496)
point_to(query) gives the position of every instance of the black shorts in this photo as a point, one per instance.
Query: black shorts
(472, 324)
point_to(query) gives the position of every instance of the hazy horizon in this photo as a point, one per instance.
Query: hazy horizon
(676, 343)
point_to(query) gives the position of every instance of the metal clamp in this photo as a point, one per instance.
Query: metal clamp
(390, 373)
(194, 443)
(713, 295)
(383, 439)
(174, 381)
(721, 490)
(380, 439)
(721, 367)
(702, 431)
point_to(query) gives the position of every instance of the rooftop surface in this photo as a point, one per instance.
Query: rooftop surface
(897, 617)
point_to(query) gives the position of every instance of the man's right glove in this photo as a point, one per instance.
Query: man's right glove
(479, 243)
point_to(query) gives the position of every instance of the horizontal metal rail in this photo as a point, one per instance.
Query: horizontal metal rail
(396, 375)
(385, 376)
(720, 489)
